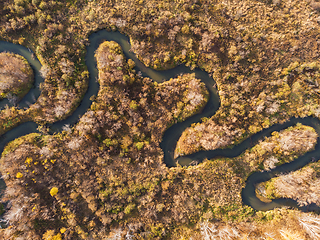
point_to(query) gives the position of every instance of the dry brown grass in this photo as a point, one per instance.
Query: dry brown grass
(16, 75)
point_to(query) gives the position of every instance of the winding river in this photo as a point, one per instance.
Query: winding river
(172, 134)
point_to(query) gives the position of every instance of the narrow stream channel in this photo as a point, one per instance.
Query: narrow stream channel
(34, 93)
(172, 134)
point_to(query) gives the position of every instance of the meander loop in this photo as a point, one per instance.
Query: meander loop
(173, 133)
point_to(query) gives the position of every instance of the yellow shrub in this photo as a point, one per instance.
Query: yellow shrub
(53, 191)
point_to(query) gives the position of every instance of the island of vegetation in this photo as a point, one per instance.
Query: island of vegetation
(301, 186)
(104, 177)
(16, 76)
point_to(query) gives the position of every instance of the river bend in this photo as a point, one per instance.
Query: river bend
(172, 134)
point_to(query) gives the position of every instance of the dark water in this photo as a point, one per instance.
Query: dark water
(32, 95)
(172, 134)
(248, 193)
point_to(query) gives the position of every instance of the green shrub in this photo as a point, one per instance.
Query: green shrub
(129, 208)
(139, 145)
(133, 105)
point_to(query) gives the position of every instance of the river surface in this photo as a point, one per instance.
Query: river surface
(34, 93)
(172, 134)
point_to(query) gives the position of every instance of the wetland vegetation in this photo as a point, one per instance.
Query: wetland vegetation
(105, 177)
(16, 77)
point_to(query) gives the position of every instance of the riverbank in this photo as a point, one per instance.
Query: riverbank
(266, 70)
(99, 143)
